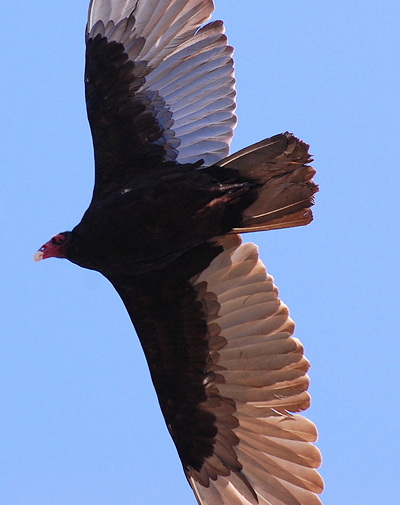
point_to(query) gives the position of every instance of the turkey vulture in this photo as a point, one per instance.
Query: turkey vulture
(162, 227)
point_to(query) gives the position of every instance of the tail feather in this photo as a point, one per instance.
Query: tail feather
(280, 165)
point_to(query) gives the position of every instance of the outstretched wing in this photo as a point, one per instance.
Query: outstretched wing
(229, 375)
(158, 87)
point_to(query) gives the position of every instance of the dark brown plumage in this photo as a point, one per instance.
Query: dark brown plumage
(161, 226)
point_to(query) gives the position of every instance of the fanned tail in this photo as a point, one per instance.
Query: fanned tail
(280, 165)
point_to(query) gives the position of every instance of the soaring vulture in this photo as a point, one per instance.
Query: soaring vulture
(162, 226)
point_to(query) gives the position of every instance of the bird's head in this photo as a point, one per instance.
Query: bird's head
(56, 247)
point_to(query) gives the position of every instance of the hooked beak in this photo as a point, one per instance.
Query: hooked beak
(54, 248)
(39, 255)
(47, 250)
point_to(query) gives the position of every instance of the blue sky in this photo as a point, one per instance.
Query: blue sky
(79, 423)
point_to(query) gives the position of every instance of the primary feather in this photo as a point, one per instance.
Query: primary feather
(167, 202)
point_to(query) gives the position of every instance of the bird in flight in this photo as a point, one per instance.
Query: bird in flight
(163, 227)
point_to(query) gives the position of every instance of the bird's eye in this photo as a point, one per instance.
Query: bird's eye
(59, 239)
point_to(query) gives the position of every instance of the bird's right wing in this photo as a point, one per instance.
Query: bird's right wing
(159, 87)
(229, 376)
(263, 452)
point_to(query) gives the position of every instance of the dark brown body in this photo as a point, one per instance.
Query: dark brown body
(151, 223)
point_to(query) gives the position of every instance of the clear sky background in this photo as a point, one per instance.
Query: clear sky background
(79, 420)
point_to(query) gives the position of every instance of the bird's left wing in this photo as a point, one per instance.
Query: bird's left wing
(159, 87)
(229, 376)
